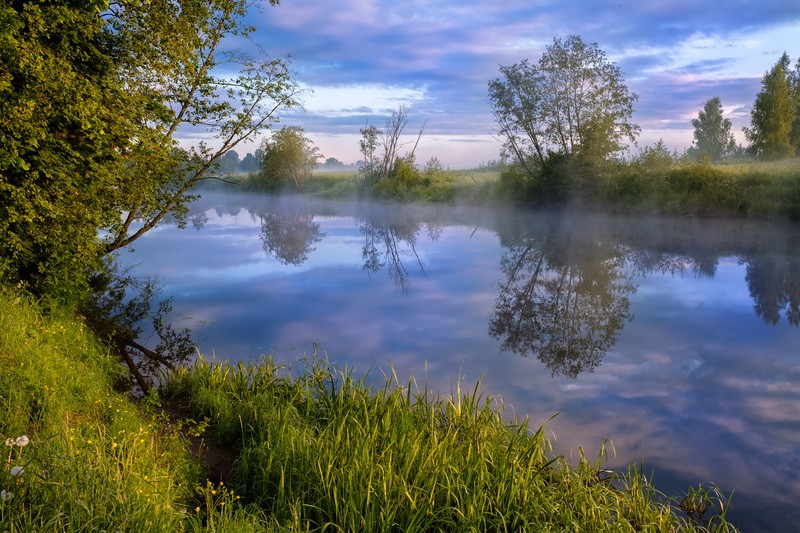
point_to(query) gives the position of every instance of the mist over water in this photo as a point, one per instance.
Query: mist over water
(676, 338)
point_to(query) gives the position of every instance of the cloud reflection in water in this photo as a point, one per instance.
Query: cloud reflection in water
(702, 383)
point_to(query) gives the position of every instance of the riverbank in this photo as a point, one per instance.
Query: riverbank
(662, 185)
(315, 448)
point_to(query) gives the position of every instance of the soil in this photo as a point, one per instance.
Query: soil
(216, 461)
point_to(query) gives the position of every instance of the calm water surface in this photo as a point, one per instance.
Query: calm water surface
(678, 339)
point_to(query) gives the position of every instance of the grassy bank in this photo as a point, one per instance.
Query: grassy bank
(94, 461)
(314, 449)
(647, 185)
(735, 189)
(441, 186)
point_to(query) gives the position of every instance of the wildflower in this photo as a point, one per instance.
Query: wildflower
(17, 470)
(6, 495)
(9, 441)
(22, 440)
(197, 509)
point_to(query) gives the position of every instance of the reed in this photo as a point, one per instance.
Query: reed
(316, 449)
(320, 448)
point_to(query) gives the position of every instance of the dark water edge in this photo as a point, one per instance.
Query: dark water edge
(684, 341)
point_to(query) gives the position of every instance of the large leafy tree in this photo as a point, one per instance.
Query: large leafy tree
(92, 95)
(712, 133)
(572, 102)
(773, 114)
(65, 123)
(288, 157)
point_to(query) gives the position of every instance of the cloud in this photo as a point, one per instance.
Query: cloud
(364, 57)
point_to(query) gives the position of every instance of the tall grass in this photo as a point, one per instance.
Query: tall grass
(316, 450)
(751, 188)
(93, 460)
(320, 449)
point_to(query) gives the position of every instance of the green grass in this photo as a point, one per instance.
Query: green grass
(676, 187)
(730, 189)
(320, 449)
(95, 461)
(443, 186)
(316, 450)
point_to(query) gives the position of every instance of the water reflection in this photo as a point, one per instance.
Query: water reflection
(700, 385)
(386, 243)
(289, 237)
(566, 305)
(774, 284)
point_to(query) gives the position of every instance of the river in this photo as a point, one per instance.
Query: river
(677, 339)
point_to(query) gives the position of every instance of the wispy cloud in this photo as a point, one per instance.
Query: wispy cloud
(363, 57)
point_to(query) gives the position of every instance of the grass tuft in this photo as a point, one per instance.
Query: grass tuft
(321, 449)
(317, 449)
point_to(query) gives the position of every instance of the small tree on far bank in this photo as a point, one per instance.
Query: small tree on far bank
(773, 114)
(288, 158)
(381, 149)
(712, 133)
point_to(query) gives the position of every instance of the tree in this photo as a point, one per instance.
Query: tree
(171, 50)
(64, 122)
(794, 87)
(368, 144)
(573, 102)
(229, 163)
(289, 157)
(389, 162)
(91, 97)
(773, 114)
(712, 133)
(249, 164)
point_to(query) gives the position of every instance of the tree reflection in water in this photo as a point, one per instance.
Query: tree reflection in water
(566, 287)
(383, 246)
(566, 305)
(289, 237)
(774, 284)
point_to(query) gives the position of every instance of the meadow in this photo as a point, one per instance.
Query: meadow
(661, 184)
(313, 449)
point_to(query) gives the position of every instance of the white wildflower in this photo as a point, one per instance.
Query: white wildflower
(22, 440)
(6, 495)
(17, 470)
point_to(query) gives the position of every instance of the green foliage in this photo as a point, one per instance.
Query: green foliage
(62, 122)
(572, 103)
(773, 114)
(94, 461)
(288, 159)
(401, 179)
(91, 97)
(322, 449)
(712, 133)
(387, 172)
(368, 144)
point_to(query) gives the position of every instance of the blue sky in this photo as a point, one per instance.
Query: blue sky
(362, 58)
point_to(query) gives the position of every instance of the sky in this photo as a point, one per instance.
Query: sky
(360, 59)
